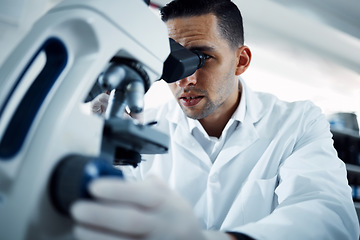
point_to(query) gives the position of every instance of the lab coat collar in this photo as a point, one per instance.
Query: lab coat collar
(238, 116)
(251, 113)
(175, 115)
(247, 133)
(254, 108)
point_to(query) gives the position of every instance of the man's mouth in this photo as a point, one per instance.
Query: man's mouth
(190, 101)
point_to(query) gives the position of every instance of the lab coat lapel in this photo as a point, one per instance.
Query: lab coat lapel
(182, 136)
(246, 134)
(184, 139)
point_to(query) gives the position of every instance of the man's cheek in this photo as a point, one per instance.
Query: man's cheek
(173, 88)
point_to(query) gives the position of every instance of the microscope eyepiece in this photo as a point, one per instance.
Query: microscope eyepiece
(181, 62)
(201, 56)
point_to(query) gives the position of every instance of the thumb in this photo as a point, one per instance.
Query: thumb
(100, 103)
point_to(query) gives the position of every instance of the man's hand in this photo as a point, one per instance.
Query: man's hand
(136, 210)
(100, 103)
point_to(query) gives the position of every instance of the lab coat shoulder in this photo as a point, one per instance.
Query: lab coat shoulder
(260, 105)
(267, 108)
(167, 116)
(287, 123)
(312, 182)
(162, 113)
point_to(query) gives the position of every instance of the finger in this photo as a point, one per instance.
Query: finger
(118, 218)
(103, 98)
(96, 108)
(99, 104)
(148, 194)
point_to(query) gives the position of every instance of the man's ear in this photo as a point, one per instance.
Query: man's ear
(243, 59)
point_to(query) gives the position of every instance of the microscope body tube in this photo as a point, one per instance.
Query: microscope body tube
(127, 86)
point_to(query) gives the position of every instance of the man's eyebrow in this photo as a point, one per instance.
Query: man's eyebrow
(202, 48)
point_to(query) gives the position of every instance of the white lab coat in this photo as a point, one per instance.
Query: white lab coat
(277, 177)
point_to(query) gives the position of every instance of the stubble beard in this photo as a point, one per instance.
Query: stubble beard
(200, 114)
(194, 112)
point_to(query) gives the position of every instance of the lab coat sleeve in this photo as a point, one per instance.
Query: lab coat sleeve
(313, 196)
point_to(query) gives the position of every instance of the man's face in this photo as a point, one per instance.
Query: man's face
(213, 89)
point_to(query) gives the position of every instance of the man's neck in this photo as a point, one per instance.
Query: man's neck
(214, 124)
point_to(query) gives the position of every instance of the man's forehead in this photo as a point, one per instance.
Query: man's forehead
(202, 17)
(192, 26)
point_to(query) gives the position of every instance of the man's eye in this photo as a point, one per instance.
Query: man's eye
(207, 56)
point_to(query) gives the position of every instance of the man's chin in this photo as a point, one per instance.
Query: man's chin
(196, 115)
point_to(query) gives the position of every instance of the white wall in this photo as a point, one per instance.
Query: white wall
(16, 18)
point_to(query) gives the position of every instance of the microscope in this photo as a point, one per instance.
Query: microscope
(51, 147)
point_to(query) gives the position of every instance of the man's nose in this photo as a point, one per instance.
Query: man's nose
(190, 80)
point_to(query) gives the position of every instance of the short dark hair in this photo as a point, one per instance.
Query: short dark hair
(229, 17)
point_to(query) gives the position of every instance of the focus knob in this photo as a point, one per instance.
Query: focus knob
(71, 177)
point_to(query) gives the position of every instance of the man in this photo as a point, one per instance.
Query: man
(246, 165)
